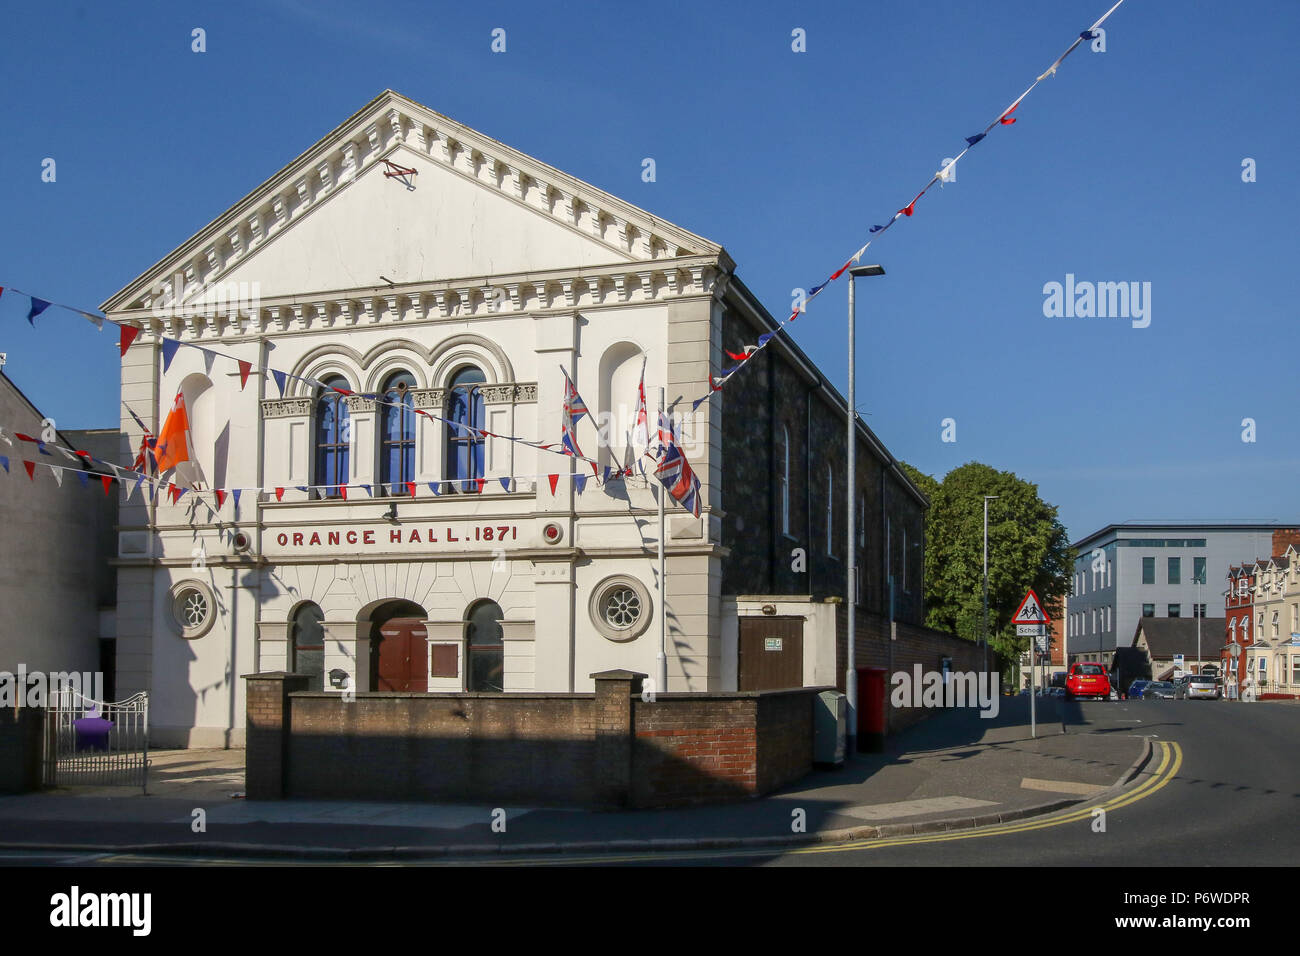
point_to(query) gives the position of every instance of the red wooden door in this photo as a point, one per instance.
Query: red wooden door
(403, 656)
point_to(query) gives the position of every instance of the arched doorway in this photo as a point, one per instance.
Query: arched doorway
(399, 654)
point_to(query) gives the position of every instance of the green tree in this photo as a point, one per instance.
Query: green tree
(1028, 548)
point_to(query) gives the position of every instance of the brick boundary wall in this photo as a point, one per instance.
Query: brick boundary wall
(607, 749)
(915, 645)
(21, 743)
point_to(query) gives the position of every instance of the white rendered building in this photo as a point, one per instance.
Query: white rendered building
(462, 289)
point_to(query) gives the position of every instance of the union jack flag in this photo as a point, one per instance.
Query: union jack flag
(144, 459)
(675, 471)
(574, 409)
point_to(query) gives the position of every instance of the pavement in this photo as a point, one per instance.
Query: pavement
(953, 770)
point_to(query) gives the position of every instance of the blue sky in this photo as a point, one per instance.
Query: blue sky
(1125, 166)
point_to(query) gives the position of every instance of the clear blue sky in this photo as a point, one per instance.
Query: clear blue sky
(1126, 166)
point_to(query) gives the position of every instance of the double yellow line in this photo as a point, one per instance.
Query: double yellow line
(1171, 759)
(1170, 756)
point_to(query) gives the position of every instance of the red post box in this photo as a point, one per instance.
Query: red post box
(871, 709)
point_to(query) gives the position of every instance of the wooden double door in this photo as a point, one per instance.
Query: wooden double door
(403, 656)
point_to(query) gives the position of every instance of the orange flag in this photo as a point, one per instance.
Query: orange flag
(173, 441)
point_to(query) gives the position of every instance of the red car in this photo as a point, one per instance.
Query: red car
(1088, 680)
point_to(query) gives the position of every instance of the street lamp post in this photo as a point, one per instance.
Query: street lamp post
(985, 638)
(851, 584)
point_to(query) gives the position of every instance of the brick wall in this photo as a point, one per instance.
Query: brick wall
(606, 749)
(914, 644)
(777, 395)
(21, 739)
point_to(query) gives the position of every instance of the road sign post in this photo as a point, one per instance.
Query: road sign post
(1031, 621)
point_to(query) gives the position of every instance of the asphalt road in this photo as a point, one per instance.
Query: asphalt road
(1222, 789)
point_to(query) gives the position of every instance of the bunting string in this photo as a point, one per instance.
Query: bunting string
(716, 382)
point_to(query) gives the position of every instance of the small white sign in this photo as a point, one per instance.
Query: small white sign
(1029, 630)
(771, 643)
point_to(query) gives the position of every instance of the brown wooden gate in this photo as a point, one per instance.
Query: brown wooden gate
(771, 653)
(403, 656)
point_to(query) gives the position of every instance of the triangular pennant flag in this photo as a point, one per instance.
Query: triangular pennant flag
(129, 332)
(2, 290)
(1007, 119)
(817, 288)
(481, 483)
(433, 486)
(244, 369)
(235, 494)
(83, 478)
(908, 209)
(579, 482)
(107, 482)
(179, 492)
(302, 488)
(876, 229)
(840, 271)
(57, 472)
(31, 469)
(1088, 35)
(97, 319)
(343, 492)
(607, 471)
(221, 497)
(38, 306)
(209, 360)
(505, 485)
(369, 493)
(410, 488)
(4, 463)
(280, 379)
(972, 140)
(765, 338)
(279, 494)
(553, 479)
(695, 405)
(169, 348)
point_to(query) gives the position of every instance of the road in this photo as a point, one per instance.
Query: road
(1221, 790)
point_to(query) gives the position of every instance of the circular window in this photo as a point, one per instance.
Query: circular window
(620, 608)
(193, 608)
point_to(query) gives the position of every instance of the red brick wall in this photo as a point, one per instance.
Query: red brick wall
(606, 749)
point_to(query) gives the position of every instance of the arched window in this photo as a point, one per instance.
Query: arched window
(333, 436)
(307, 645)
(486, 650)
(397, 434)
(783, 464)
(464, 447)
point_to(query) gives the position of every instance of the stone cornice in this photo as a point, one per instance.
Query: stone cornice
(457, 300)
(387, 124)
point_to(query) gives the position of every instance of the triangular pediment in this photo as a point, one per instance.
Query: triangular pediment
(336, 218)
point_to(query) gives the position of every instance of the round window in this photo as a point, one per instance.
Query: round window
(193, 608)
(620, 608)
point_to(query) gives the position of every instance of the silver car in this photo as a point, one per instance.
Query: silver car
(1202, 685)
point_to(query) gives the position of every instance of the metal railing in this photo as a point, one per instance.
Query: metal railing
(97, 743)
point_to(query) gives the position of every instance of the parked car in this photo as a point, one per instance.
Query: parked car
(1158, 689)
(1087, 680)
(1202, 685)
(1135, 689)
(1180, 686)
